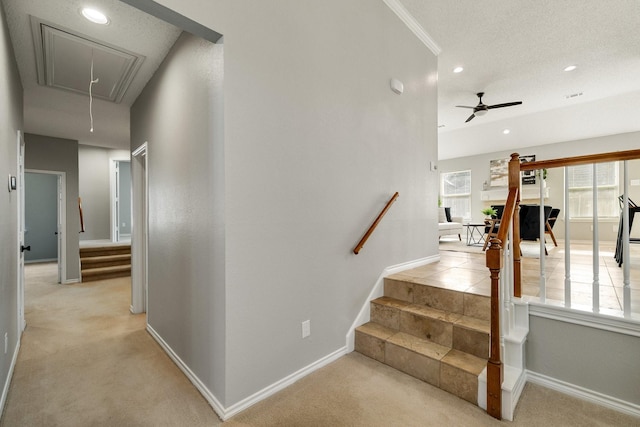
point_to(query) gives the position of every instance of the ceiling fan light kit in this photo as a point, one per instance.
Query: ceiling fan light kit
(481, 109)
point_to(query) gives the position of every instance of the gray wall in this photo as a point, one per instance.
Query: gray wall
(602, 361)
(60, 155)
(10, 123)
(41, 216)
(580, 230)
(315, 143)
(125, 197)
(93, 173)
(178, 114)
(94, 188)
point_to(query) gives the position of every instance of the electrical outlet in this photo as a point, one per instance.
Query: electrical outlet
(6, 342)
(306, 328)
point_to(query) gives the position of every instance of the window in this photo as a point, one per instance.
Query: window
(455, 188)
(581, 190)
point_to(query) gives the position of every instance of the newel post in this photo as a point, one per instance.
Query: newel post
(494, 366)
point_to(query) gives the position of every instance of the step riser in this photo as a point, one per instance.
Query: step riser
(105, 276)
(477, 306)
(439, 331)
(435, 372)
(87, 265)
(105, 251)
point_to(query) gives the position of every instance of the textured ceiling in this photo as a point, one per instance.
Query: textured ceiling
(65, 114)
(516, 51)
(512, 50)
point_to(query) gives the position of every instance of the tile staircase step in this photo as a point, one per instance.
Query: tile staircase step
(452, 330)
(455, 301)
(105, 250)
(103, 273)
(105, 261)
(439, 335)
(449, 369)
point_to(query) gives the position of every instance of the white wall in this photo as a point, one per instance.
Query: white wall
(580, 230)
(315, 143)
(11, 121)
(61, 155)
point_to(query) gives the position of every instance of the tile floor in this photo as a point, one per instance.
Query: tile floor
(463, 269)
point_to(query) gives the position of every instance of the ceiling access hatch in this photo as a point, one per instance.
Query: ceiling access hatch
(64, 58)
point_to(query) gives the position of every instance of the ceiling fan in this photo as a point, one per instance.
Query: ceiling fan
(482, 109)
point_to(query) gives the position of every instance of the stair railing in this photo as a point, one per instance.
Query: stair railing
(81, 215)
(375, 224)
(511, 219)
(494, 261)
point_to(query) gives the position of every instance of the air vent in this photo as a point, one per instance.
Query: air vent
(63, 61)
(573, 95)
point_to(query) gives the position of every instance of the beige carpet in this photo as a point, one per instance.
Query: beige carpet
(86, 361)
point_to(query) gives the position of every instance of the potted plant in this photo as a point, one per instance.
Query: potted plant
(489, 212)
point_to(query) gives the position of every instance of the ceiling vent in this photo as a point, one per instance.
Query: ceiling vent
(63, 61)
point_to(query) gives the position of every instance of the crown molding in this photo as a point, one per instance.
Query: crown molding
(413, 25)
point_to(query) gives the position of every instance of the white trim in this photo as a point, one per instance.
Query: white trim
(70, 281)
(226, 413)
(584, 393)
(591, 320)
(140, 229)
(413, 25)
(7, 383)
(283, 383)
(378, 291)
(206, 393)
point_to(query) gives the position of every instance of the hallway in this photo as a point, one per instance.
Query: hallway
(85, 360)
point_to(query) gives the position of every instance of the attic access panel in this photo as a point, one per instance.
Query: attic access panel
(63, 61)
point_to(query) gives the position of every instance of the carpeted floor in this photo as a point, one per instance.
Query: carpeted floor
(86, 361)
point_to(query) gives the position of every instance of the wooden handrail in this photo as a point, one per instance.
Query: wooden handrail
(581, 160)
(81, 215)
(375, 224)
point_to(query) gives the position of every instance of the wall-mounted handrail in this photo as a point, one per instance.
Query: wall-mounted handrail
(81, 215)
(375, 224)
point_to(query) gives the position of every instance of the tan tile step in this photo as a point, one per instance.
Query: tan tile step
(454, 299)
(459, 373)
(451, 330)
(415, 356)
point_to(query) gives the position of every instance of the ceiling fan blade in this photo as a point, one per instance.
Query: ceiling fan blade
(508, 104)
(464, 106)
(470, 118)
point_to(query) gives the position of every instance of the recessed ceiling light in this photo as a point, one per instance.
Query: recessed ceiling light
(506, 131)
(570, 68)
(458, 70)
(95, 16)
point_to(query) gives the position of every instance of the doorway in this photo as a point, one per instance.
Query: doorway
(139, 232)
(120, 171)
(45, 218)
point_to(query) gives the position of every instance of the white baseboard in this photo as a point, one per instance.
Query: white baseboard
(206, 393)
(378, 291)
(583, 393)
(283, 383)
(70, 281)
(226, 413)
(7, 383)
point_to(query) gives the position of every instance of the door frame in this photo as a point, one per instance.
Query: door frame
(20, 207)
(140, 229)
(114, 202)
(61, 220)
